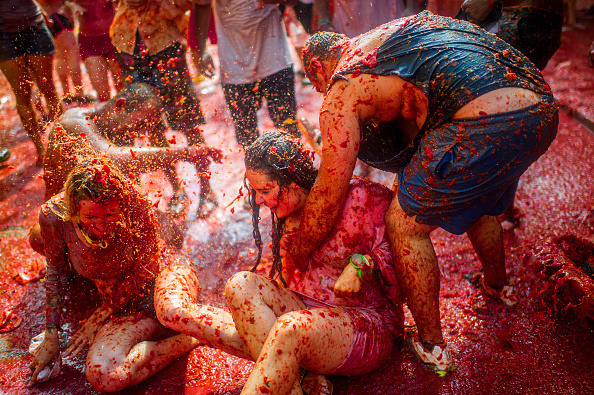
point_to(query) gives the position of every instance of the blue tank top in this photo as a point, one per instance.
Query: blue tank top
(452, 62)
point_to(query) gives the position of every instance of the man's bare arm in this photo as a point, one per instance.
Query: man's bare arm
(339, 123)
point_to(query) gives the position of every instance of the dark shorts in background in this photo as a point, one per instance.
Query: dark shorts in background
(34, 40)
(244, 101)
(61, 22)
(96, 46)
(469, 168)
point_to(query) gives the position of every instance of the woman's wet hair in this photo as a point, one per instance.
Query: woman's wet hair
(283, 159)
(95, 179)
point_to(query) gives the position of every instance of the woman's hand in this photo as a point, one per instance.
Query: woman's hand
(348, 284)
(85, 335)
(47, 353)
(354, 274)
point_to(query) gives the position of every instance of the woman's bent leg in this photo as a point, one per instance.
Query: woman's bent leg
(255, 303)
(121, 355)
(176, 303)
(317, 339)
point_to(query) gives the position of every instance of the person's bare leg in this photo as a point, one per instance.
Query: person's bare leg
(42, 65)
(17, 74)
(207, 196)
(487, 241)
(176, 302)
(317, 339)
(416, 264)
(158, 139)
(121, 354)
(97, 69)
(255, 304)
(116, 74)
(68, 62)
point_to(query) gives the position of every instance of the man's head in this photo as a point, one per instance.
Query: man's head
(136, 109)
(321, 51)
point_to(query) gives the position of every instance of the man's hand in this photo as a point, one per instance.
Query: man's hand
(478, 10)
(47, 353)
(348, 284)
(206, 65)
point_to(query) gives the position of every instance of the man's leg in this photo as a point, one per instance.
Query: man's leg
(17, 74)
(243, 103)
(487, 241)
(279, 90)
(97, 69)
(416, 264)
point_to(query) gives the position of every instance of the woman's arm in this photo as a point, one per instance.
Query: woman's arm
(56, 251)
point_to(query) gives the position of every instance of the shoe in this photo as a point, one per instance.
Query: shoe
(438, 358)
(507, 294)
(206, 205)
(177, 203)
(4, 156)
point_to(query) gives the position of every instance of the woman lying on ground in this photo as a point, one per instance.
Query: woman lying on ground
(101, 228)
(334, 316)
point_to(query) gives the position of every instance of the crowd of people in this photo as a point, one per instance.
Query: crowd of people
(456, 113)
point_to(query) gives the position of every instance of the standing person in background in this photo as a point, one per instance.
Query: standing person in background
(354, 17)
(26, 55)
(531, 26)
(201, 58)
(95, 46)
(150, 44)
(255, 64)
(61, 26)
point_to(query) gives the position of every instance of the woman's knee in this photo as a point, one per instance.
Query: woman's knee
(36, 241)
(176, 291)
(239, 287)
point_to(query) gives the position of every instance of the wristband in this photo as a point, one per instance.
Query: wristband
(324, 22)
(366, 263)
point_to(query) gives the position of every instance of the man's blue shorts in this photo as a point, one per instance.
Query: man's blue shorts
(34, 40)
(470, 167)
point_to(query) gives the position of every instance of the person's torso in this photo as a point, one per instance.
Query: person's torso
(252, 41)
(453, 62)
(97, 18)
(359, 229)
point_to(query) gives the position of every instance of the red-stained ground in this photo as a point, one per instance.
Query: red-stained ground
(543, 345)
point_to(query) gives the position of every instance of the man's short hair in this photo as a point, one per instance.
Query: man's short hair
(322, 45)
(137, 95)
